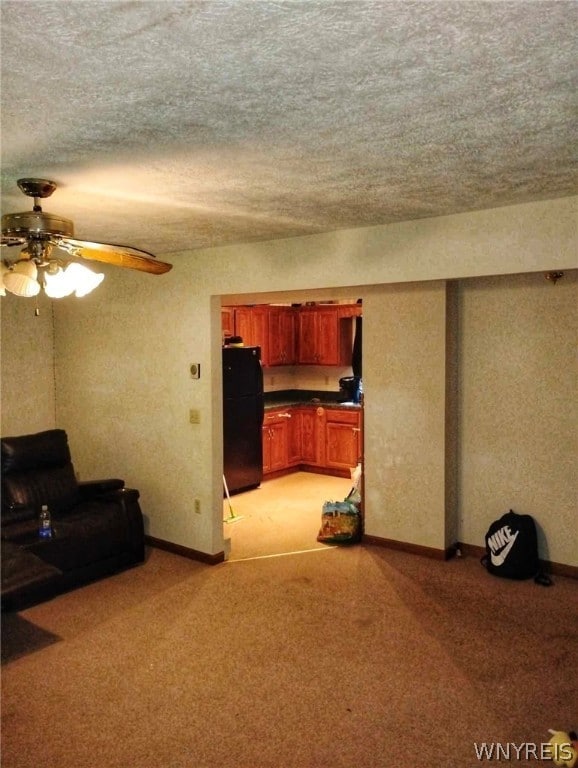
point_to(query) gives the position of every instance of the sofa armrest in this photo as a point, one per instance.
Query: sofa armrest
(89, 489)
(128, 500)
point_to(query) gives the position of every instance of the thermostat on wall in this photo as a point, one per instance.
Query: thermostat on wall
(195, 370)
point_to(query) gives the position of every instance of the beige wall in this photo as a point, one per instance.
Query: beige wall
(123, 354)
(518, 407)
(27, 365)
(404, 378)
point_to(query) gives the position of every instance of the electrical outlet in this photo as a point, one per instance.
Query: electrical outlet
(197, 506)
(194, 416)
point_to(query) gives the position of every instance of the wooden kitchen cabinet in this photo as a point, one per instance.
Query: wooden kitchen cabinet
(309, 335)
(251, 326)
(324, 440)
(276, 440)
(308, 420)
(294, 438)
(281, 336)
(342, 438)
(227, 322)
(323, 336)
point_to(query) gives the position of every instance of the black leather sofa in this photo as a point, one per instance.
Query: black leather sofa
(97, 526)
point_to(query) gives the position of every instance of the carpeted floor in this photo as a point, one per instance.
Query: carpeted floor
(356, 658)
(283, 515)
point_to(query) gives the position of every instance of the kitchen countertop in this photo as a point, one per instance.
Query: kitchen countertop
(301, 397)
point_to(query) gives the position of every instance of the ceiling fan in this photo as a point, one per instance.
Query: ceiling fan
(37, 263)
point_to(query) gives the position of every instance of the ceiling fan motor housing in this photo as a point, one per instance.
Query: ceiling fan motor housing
(36, 223)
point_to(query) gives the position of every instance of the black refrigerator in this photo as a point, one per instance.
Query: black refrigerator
(242, 418)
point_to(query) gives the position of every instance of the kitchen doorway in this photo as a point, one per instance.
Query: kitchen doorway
(283, 514)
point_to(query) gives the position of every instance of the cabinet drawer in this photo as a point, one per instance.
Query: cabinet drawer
(342, 416)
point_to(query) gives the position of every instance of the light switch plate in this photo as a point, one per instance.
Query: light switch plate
(195, 370)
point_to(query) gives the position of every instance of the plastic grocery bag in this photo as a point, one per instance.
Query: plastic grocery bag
(340, 523)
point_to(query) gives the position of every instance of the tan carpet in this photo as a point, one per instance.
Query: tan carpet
(283, 515)
(356, 658)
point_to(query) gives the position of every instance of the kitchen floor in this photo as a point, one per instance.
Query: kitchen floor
(281, 516)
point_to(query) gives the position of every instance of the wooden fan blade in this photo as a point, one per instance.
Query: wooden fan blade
(119, 255)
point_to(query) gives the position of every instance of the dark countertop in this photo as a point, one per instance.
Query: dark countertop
(293, 397)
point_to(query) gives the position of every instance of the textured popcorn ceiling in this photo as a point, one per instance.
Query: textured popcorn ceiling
(177, 125)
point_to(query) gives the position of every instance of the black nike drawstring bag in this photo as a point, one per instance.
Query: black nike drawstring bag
(512, 549)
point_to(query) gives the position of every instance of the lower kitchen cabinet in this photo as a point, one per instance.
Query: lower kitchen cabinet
(315, 439)
(276, 440)
(310, 435)
(294, 438)
(342, 439)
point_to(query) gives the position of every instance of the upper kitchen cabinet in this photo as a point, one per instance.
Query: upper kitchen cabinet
(324, 336)
(251, 324)
(281, 338)
(267, 326)
(227, 322)
(320, 334)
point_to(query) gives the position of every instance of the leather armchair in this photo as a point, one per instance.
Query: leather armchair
(97, 525)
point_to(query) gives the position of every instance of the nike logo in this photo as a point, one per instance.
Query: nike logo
(500, 558)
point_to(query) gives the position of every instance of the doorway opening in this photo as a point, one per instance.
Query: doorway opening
(309, 449)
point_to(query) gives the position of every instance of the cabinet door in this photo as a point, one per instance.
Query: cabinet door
(311, 419)
(327, 337)
(244, 325)
(342, 439)
(307, 337)
(276, 441)
(260, 331)
(281, 346)
(279, 443)
(266, 449)
(294, 438)
(251, 324)
(227, 321)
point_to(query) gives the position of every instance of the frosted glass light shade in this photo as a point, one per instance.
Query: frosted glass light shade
(22, 279)
(3, 271)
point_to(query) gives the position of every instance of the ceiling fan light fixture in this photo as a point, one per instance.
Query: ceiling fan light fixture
(42, 232)
(22, 279)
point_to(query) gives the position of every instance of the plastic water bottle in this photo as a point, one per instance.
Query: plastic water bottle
(45, 524)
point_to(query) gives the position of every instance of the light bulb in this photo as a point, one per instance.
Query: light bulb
(82, 279)
(57, 284)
